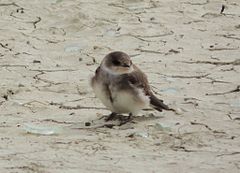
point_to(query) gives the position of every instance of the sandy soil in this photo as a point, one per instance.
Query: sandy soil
(190, 52)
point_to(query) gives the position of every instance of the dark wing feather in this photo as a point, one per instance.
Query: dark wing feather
(139, 80)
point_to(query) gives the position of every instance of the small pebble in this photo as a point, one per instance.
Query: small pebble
(95, 47)
(87, 124)
(36, 61)
(179, 111)
(20, 85)
(152, 18)
(118, 29)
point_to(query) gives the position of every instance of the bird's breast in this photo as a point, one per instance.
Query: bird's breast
(126, 101)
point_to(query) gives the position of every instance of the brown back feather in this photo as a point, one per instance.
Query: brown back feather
(139, 79)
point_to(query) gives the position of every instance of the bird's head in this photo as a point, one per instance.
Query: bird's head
(117, 63)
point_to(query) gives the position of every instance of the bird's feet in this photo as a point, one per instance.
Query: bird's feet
(121, 118)
(127, 119)
(112, 116)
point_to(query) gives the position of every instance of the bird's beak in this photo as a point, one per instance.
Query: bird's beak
(126, 65)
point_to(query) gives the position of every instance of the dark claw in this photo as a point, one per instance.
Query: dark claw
(126, 119)
(111, 117)
(122, 119)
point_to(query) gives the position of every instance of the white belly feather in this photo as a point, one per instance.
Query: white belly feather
(123, 102)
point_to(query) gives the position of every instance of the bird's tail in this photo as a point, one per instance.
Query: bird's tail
(158, 104)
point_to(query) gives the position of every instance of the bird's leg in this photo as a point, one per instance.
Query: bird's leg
(123, 119)
(127, 119)
(130, 116)
(112, 116)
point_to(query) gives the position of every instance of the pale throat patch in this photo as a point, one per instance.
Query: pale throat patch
(110, 71)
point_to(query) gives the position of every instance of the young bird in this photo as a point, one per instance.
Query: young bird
(123, 87)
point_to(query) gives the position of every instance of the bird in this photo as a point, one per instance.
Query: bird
(122, 87)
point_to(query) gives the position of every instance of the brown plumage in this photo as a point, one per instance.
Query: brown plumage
(139, 80)
(122, 86)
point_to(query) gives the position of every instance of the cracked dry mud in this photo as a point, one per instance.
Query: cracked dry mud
(190, 51)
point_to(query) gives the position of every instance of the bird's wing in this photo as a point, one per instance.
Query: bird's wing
(105, 88)
(139, 80)
(94, 78)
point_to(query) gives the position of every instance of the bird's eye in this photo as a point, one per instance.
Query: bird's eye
(116, 62)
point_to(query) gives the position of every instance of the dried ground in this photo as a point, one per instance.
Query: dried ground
(190, 52)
